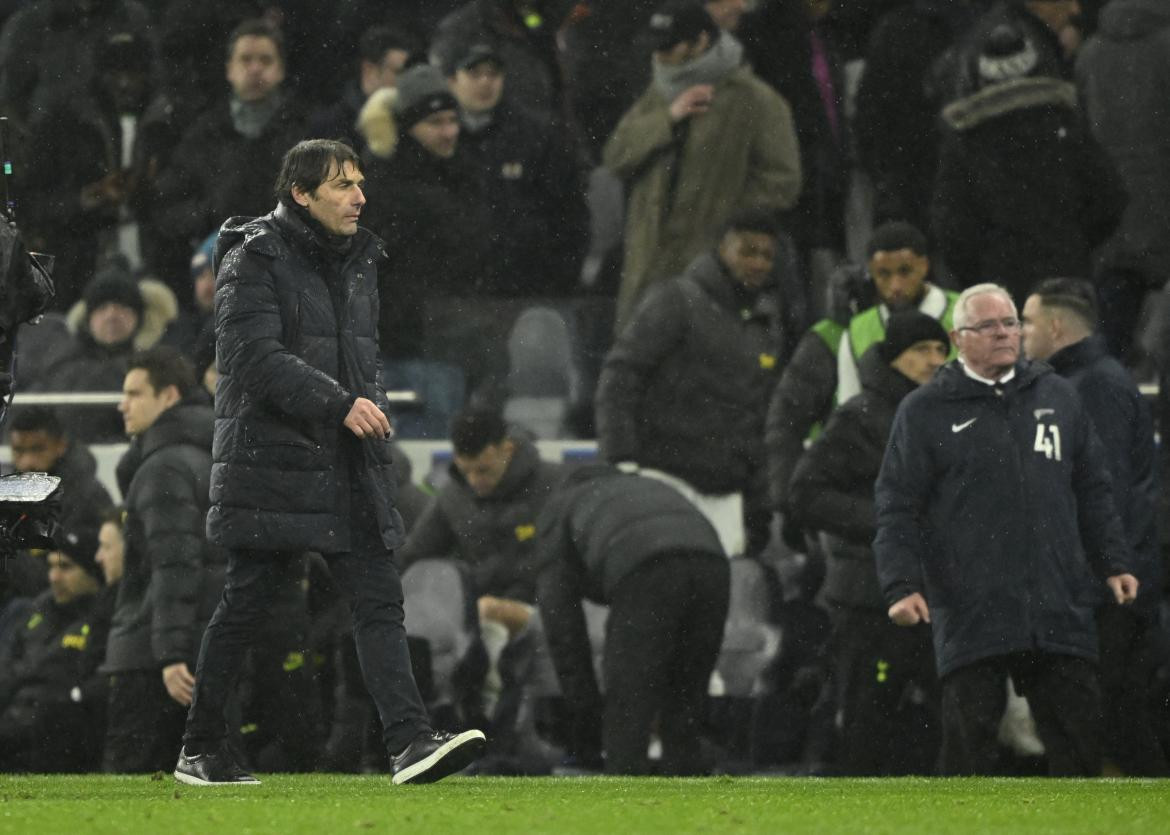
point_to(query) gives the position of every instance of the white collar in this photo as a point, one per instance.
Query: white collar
(988, 382)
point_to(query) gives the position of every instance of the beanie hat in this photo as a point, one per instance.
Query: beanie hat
(422, 90)
(680, 21)
(466, 56)
(79, 542)
(1006, 55)
(907, 328)
(113, 284)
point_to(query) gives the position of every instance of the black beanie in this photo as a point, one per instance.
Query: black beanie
(422, 90)
(113, 285)
(1005, 55)
(79, 542)
(907, 328)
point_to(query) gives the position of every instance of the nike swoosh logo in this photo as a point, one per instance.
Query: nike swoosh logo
(959, 427)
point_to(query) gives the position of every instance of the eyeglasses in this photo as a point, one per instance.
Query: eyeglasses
(986, 327)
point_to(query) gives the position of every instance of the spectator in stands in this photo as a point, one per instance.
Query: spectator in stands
(994, 513)
(645, 551)
(111, 550)
(430, 207)
(1059, 320)
(227, 161)
(486, 517)
(1128, 54)
(1023, 190)
(706, 139)
(524, 32)
(118, 315)
(899, 96)
(193, 332)
(879, 667)
(48, 47)
(172, 577)
(534, 183)
(51, 696)
(102, 145)
(685, 388)
(383, 54)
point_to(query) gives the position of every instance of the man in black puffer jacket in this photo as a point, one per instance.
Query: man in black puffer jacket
(684, 389)
(302, 457)
(171, 577)
(994, 513)
(640, 547)
(879, 668)
(1059, 318)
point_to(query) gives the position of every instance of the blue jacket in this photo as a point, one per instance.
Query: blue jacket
(994, 502)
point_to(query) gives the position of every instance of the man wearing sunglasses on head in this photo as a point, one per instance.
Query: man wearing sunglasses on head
(996, 525)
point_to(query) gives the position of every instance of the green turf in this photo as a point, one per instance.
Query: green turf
(340, 804)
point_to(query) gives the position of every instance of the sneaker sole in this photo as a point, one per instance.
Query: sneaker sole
(195, 781)
(447, 759)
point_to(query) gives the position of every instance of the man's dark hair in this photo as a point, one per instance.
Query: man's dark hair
(474, 430)
(37, 419)
(1072, 294)
(256, 28)
(311, 162)
(377, 40)
(895, 235)
(759, 220)
(165, 366)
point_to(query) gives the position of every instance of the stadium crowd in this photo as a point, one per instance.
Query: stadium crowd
(854, 297)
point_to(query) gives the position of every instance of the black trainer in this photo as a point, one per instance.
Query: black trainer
(434, 755)
(212, 769)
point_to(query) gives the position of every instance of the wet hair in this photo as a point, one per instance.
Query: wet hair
(474, 430)
(895, 235)
(756, 219)
(256, 28)
(1072, 294)
(311, 162)
(36, 419)
(165, 366)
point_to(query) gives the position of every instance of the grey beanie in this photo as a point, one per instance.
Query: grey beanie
(422, 90)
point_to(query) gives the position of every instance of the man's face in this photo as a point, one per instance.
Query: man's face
(126, 89)
(748, 256)
(1056, 14)
(35, 450)
(478, 89)
(254, 69)
(484, 471)
(899, 277)
(990, 342)
(337, 203)
(385, 72)
(204, 289)
(141, 404)
(438, 133)
(67, 580)
(111, 552)
(921, 360)
(1036, 328)
(112, 323)
(684, 52)
(726, 13)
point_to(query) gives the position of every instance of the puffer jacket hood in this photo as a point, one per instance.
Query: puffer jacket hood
(1008, 97)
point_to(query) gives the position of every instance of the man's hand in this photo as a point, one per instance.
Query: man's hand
(692, 101)
(366, 420)
(911, 610)
(179, 682)
(512, 614)
(1124, 588)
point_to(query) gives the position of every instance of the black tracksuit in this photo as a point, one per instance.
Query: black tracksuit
(639, 546)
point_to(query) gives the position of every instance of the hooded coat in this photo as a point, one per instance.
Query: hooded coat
(1123, 73)
(172, 578)
(994, 503)
(296, 326)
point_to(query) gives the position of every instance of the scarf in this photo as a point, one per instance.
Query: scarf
(714, 65)
(251, 117)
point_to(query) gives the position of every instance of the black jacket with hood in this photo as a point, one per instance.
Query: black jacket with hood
(296, 324)
(994, 503)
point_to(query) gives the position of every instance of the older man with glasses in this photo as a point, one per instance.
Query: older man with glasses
(996, 525)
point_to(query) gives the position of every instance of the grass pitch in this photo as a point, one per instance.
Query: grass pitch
(80, 805)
